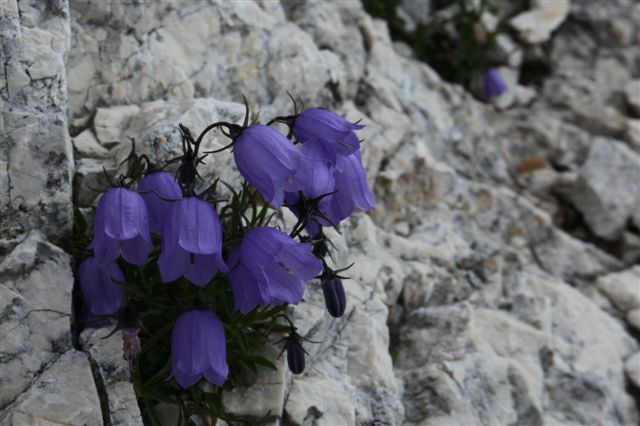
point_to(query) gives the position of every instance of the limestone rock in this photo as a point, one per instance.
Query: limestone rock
(484, 366)
(109, 123)
(536, 25)
(114, 374)
(623, 288)
(35, 152)
(601, 193)
(136, 59)
(36, 282)
(468, 303)
(90, 179)
(63, 394)
(633, 317)
(632, 93)
(632, 367)
(88, 146)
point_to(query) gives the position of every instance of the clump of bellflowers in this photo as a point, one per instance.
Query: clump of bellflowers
(198, 282)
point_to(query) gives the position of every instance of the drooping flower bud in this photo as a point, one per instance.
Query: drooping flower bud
(334, 297)
(295, 356)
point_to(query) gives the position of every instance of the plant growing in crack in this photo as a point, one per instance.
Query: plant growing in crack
(199, 284)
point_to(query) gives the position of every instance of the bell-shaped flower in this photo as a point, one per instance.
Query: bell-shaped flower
(158, 190)
(121, 226)
(268, 161)
(334, 297)
(316, 173)
(269, 267)
(99, 285)
(351, 192)
(352, 189)
(198, 348)
(191, 242)
(333, 132)
(493, 83)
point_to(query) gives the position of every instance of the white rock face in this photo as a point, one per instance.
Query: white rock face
(601, 192)
(479, 294)
(114, 374)
(622, 288)
(536, 25)
(632, 93)
(63, 394)
(36, 157)
(35, 284)
(633, 368)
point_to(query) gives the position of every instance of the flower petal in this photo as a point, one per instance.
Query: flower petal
(135, 250)
(125, 214)
(156, 188)
(173, 266)
(200, 231)
(283, 285)
(100, 291)
(204, 268)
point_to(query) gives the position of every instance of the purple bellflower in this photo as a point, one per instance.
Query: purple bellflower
(493, 84)
(334, 133)
(269, 267)
(157, 189)
(191, 242)
(268, 161)
(316, 173)
(198, 348)
(352, 191)
(98, 284)
(121, 226)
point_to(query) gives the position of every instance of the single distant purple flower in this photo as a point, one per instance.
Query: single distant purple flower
(268, 161)
(334, 132)
(334, 297)
(121, 226)
(157, 189)
(269, 267)
(198, 348)
(98, 284)
(191, 242)
(493, 84)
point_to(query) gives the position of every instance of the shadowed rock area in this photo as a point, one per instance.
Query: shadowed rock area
(485, 291)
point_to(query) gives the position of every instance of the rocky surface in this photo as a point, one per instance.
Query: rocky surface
(494, 283)
(36, 158)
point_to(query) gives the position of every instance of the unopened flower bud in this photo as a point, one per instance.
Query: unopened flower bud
(334, 297)
(295, 356)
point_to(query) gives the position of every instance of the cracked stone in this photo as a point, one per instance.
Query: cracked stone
(64, 393)
(36, 282)
(37, 157)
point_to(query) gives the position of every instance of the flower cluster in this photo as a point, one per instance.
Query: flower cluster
(164, 249)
